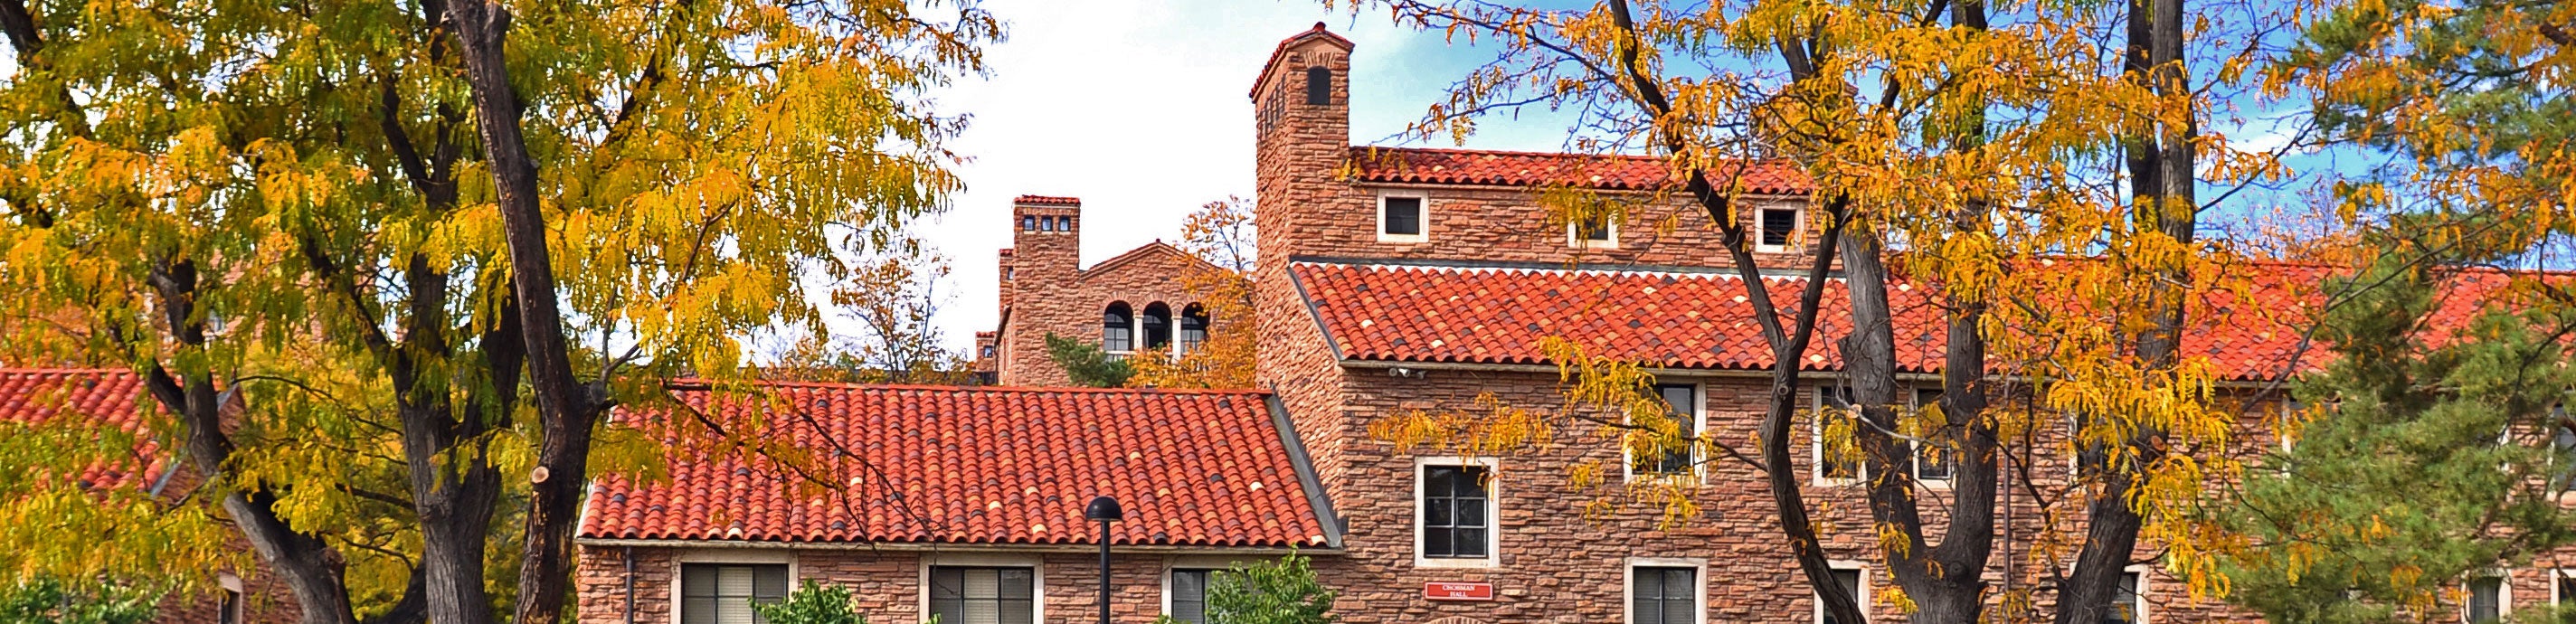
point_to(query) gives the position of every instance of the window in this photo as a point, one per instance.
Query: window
(2487, 600)
(2562, 587)
(1779, 228)
(987, 351)
(1189, 594)
(723, 593)
(1028, 223)
(2129, 604)
(1457, 512)
(1934, 454)
(1833, 405)
(1156, 326)
(229, 611)
(1855, 582)
(1592, 232)
(1663, 595)
(1116, 329)
(1319, 85)
(1680, 455)
(1399, 219)
(963, 595)
(1194, 325)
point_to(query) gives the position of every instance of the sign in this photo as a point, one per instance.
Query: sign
(1458, 591)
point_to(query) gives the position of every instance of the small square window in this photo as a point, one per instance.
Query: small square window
(723, 593)
(1592, 232)
(1457, 512)
(963, 595)
(1399, 219)
(1663, 595)
(1028, 223)
(1779, 229)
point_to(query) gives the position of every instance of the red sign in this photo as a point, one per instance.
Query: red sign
(1458, 591)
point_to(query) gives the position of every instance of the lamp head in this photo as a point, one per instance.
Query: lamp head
(1103, 509)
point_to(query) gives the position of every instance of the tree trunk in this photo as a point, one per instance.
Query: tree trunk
(566, 407)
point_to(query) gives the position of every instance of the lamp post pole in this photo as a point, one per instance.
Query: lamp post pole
(1104, 510)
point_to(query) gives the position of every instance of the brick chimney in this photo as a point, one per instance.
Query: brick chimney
(1302, 124)
(1046, 239)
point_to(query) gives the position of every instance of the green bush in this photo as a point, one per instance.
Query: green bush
(1086, 364)
(46, 600)
(1270, 592)
(813, 603)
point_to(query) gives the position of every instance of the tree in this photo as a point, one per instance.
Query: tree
(300, 221)
(895, 297)
(1956, 146)
(1220, 233)
(1086, 365)
(46, 600)
(813, 603)
(1270, 592)
(2427, 454)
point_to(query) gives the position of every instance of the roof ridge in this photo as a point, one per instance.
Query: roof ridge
(701, 382)
(1505, 152)
(12, 370)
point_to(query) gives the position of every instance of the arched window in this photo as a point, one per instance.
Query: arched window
(1194, 326)
(1156, 325)
(1117, 327)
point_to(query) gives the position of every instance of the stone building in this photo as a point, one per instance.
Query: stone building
(1390, 281)
(1136, 304)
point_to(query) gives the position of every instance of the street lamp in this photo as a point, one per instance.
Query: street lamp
(1104, 510)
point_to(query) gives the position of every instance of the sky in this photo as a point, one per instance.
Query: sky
(1139, 107)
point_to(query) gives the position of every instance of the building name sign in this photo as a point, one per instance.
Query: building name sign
(1458, 591)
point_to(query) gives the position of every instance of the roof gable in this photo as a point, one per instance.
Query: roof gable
(1148, 252)
(1417, 165)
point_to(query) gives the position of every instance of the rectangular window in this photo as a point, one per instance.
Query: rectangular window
(1853, 583)
(723, 593)
(1028, 223)
(1592, 232)
(1189, 594)
(2564, 583)
(1679, 455)
(963, 595)
(1663, 595)
(1457, 512)
(1933, 455)
(1779, 228)
(1399, 219)
(2128, 605)
(230, 610)
(1833, 406)
(2486, 600)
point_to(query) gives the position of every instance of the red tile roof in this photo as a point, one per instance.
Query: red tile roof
(1701, 320)
(1415, 165)
(110, 397)
(968, 465)
(1043, 200)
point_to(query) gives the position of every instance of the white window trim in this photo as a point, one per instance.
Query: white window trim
(2556, 574)
(1914, 397)
(1798, 224)
(1862, 599)
(2145, 587)
(1493, 513)
(2504, 594)
(239, 609)
(1035, 564)
(729, 556)
(1424, 218)
(1816, 443)
(1193, 562)
(1699, 425)
(1699, 581)
(1575, 240)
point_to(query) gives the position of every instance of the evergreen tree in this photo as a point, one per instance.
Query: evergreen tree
(2427, 456)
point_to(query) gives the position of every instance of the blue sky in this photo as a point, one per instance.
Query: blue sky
(1139, 108)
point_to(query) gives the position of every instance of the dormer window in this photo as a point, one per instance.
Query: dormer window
(1400, 218)
(1777, 229)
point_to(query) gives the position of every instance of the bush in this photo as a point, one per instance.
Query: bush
(46, 600)
(1270, 592)
(813, 603)
(1086, 364)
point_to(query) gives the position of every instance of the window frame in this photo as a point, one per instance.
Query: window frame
(1914, 457)
(2138, 595)
(1493, 512)
(231, 604)
(2558, 576)
(1130, 327)
(1182, 343)
(1816, 441)
(719, 556)
(1699, 585)
(1574, 234)
(1817, 602)
(2504, 595)
(1211, 563)
(1037, 577)
(1422, 217)
(1797, 223)
(1699, 423)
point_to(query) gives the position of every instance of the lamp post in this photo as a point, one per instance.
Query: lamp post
(1104, 510)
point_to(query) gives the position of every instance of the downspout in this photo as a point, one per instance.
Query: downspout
(630, 584)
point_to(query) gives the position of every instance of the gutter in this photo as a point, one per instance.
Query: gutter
(1700, 372)
(1148, 549)
(1325, 516)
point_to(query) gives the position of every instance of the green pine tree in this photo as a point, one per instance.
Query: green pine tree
(2428, 457)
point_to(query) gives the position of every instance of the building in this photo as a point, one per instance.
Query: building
(1137, 303)
(116, 399)
(1390, 281)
